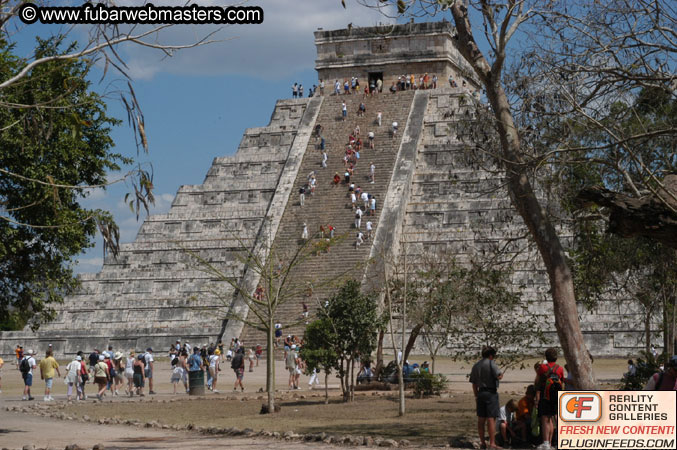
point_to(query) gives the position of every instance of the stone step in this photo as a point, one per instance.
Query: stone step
(330, 205)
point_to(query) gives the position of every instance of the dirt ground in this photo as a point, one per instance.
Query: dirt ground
(427, 422)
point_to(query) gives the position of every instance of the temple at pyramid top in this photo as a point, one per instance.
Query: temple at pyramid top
(390, 51)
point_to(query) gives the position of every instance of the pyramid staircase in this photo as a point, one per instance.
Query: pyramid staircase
(330, 205)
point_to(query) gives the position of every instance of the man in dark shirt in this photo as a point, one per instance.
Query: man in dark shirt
(93, 359)
(484, 377)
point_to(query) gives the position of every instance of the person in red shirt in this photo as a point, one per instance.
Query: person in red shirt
(548, 376)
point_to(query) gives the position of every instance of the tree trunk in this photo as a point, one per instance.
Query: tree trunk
(432, 364)
(344, 381)
(647, 330)
(352, 380)
(270, 366)
(673, 331)
(412, 339)
(400, 382)
(379, 354)
(326, 388)
(400, 375)
(527, 204)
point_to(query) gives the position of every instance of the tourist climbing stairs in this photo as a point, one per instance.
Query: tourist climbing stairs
(330, 204)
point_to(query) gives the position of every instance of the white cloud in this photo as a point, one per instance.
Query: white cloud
(282, 45)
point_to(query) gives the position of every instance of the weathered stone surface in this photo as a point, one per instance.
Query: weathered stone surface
(437, 195)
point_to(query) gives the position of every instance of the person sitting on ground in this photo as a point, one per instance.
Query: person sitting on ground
(365, 375)
(504, 422)
(425, 367)
(525, 406)
(337, 179)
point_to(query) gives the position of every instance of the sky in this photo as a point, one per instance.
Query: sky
(198, 103)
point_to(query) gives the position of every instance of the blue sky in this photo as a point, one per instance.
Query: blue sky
(198, 103)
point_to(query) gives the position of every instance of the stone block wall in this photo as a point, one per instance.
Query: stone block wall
(457, 205)
(413, 48)
(154, 292)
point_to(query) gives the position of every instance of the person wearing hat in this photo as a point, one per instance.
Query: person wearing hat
(664, 381)
(72, 376)
(119, 373)
(47, 368)
(101, 375)
(292, 365)
(148, 357)
(26, 369)
(214, 369)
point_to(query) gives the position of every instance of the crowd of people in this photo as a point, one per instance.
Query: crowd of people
(533, 419)
(362, 203)
(351, 85)
(112, 372)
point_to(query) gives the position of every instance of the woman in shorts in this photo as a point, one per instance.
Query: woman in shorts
(101, 376)
(238, 368)
(129, 373)
(139, 376)
(119, 378)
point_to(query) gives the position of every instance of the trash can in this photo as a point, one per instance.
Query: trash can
(196, 382)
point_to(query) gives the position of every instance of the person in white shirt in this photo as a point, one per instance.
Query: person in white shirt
(214, 369)
(369, 228)
(358, 218)
(148, 357)
(395, 125)
(360, 239)
(28, 376)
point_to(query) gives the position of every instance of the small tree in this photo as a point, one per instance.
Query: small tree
(319, 350)
(275, 271)
(488, 311)
(354, 323)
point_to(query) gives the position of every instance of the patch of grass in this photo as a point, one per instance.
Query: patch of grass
(430, 420)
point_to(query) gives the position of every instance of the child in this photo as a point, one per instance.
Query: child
(523, 413)
(504, 422)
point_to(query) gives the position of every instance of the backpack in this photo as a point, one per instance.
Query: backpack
(236, 362)
(551, 383)
(24, 366)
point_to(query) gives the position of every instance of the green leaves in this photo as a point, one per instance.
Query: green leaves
(54, 132)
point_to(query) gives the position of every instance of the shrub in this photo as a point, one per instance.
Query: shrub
(427, 384)
(644, 368)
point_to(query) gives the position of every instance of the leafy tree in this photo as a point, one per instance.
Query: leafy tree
(319, 350)
(489, 311)
(64, 139)
(267, 284)
(54, 147)
(353, 319)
